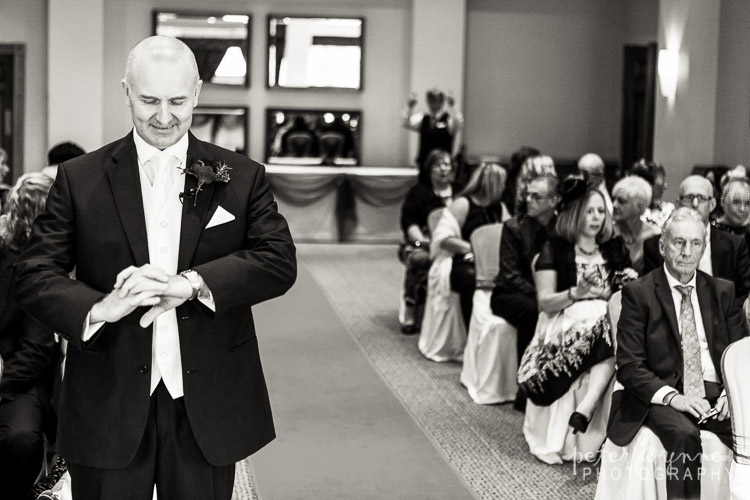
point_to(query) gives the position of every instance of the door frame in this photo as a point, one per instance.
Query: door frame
(18, 51)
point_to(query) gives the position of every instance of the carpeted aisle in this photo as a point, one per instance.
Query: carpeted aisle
(341, 432)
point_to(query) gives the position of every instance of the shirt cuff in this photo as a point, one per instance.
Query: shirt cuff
(89, 328)
(658, 398)
(205, 296)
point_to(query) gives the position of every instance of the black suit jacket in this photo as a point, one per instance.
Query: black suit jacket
(649, 353)
(94, 220)
(730, 259)
(28, 349)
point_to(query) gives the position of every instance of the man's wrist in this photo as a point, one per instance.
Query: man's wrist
(669, 397)
(194, 280)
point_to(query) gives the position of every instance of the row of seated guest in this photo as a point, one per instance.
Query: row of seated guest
(577, 271)
(27, 352)
(476, 205)
(726, 255)
(424, 197)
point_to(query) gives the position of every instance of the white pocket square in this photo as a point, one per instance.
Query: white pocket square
(221, 216)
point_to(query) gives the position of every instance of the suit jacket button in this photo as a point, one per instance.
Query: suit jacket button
(144, 369)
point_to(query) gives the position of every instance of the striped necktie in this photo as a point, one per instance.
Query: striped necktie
(691, 350)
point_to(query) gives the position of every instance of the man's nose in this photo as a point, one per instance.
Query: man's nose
(163, 115)
(694, 203)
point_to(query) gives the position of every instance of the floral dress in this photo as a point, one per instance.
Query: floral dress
(568, 342)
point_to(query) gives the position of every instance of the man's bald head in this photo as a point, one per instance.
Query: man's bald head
(159, 48)
(591, 163)
(161, 89)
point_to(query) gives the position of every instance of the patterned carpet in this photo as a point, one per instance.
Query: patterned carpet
(484, 444)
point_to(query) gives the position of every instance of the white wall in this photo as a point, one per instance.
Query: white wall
(76, 82)
(732, 134)
(684, 127)
(25, 22)
(549, 74)
(386, 71)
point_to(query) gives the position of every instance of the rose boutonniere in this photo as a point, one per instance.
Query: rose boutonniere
(207, 172)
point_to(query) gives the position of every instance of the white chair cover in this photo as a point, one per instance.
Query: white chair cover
(638, 471)
(63, 492)
(736, 371)
(548, 435)
(490, 360)
(443, 334)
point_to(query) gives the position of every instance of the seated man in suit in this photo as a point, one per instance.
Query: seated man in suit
(674, 326)
(726, 255)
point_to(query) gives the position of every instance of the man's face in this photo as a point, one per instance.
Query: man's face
(539, 202)
(161, 98)
(682, 247)
(624, 207)
(698, 194)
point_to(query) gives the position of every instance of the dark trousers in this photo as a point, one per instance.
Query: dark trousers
(521, 311)
(417, 261)
(680, 435)
(21, 444)
(168, 457)
(463, 282)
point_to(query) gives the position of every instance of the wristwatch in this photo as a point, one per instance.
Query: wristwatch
(194, 279)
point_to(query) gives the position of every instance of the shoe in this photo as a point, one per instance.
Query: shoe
(409, 329)
(578, 422)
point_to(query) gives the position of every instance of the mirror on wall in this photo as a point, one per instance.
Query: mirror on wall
(224, 126)
(220, 42)
(315, 52)
(313, 137)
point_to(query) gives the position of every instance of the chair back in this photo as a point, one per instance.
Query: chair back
(736, 372)
(300, 143)
(485, 245)
(433, 218)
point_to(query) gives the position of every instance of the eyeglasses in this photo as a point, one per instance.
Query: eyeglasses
(689, 199)
(536, 197)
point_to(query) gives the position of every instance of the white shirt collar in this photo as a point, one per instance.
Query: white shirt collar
(146, 151)
(673, 282)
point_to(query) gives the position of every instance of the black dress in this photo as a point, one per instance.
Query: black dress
(571, 341)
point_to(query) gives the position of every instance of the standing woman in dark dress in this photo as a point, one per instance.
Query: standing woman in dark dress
(478, 204)
(27, 350)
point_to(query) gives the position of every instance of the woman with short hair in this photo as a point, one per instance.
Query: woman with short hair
(630, 198)
(735, 203)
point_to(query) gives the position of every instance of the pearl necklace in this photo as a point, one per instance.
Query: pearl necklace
(586, 253)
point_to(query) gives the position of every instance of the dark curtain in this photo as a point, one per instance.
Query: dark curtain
(209, 53)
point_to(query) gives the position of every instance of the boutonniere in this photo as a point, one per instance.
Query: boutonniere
(207, 172)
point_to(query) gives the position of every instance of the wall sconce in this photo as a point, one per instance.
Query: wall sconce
(668, 66)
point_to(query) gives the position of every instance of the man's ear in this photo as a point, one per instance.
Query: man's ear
(126, 88)
(662, 244)
(198, 87)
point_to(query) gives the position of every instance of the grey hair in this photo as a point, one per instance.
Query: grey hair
(163, 49)
(682, 214)
(635, 188)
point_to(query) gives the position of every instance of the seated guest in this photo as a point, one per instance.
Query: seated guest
(726, 255)
(576, 272)
(422, 199)
(735, 202)
(517, 159)
(478, 204)
(674, 326)
(514, 295)
(533, 167)
(27, 350)
(631, 195)
(658, 210)
(592, 165)
(61, 153)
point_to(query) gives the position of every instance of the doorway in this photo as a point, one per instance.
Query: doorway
(639, 92)
(12, 63)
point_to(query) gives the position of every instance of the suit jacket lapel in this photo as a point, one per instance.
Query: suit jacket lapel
(664, 294)
(194, 211)
(704, 301)
(126, 189)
